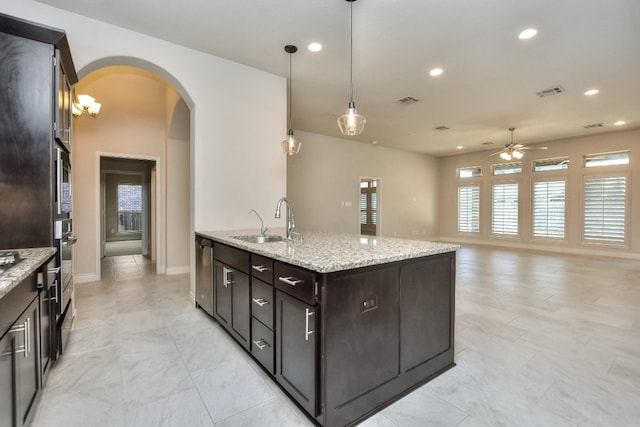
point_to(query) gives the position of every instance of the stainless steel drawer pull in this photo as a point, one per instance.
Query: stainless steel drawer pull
(261, 344)
(226, 273)
(260, 301)
(27, 337)
(307, 332)
(260, 268)
(290, 280)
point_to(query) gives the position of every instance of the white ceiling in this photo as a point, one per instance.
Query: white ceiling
(490, 77)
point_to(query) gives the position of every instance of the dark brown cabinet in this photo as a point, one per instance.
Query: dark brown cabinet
(19, 366)
(342, 344)
(231, 291)
(296, 349)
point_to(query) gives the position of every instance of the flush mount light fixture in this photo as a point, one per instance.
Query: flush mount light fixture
(527, 34)
(85, 104)
(290, 145)
(314, 47)
(436, 72)
(591, 92)
(351, 123)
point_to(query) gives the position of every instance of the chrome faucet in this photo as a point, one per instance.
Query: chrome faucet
(263, 229)
(291, 224)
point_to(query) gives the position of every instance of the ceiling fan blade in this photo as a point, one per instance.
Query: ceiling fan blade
(533, 148)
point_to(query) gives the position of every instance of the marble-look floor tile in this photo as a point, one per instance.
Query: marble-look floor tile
(102, 316)
(177, 410)
(150, 376)
(147, 341)
(230, 387)
(140, 320)
(272, 413)
(92, 339)
(424, 408)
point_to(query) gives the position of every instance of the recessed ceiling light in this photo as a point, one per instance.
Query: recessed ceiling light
(314, 47)
(527, 34)
(436, 72)
(620, 123)
(591, 92)
(459, 147)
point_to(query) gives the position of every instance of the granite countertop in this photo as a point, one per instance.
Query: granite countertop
(31, 259)
(329, 252)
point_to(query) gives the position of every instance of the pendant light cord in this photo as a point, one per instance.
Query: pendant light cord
(289, 103)
(351, 50)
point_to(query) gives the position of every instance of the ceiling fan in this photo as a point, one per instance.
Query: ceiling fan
(513, 151)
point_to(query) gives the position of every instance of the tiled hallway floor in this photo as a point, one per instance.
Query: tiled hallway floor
(541, 340)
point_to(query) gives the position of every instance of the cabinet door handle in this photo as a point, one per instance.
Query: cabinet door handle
(290, 280)
(261, 344)
(260, 268)
(228, 279)
(22, 348)
(307, 332)
(27, 337)
(260, 301)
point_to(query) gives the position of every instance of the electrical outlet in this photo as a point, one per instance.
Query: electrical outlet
(369, 304)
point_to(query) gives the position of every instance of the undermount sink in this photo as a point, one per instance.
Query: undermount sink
(258, 238)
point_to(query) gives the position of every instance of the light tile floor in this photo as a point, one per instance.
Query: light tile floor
(541, 340)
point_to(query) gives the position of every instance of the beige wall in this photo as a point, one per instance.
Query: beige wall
(325, 177)
(574, 148)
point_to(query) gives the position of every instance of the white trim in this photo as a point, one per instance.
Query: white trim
(563, 249)
(180, 269)
(160, 210)
(85, 278)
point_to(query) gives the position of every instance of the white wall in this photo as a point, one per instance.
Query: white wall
(575, 149)
(327, 171)
(238, 113)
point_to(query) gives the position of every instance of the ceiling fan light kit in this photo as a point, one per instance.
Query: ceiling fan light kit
(513, 151)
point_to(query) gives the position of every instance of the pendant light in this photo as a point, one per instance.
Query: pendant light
(351, 123)
(290, 145)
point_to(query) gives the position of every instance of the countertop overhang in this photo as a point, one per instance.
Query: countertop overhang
(31, 259)
(325, 252)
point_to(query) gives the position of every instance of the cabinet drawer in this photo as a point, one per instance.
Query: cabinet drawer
(262, 302)
(262, 268)
(262, 346)
(295, 281)
(233, 257)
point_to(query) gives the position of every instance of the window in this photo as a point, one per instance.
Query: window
(469, 209)
(507, 168)
(606, 159)
(548, 209)
(551, 164)
(504, 212)
(129, 208)
(368, 206)
(605, 209)
(471, 172)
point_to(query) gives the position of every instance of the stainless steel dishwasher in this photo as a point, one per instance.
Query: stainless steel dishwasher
(204, 274)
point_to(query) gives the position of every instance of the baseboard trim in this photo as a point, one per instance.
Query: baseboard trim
(181, 269)
(85, 278)
(563, 250)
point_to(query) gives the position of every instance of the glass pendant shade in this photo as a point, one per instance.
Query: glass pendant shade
(291, 145)
(517, 154)
(505, 155)
(351, 123)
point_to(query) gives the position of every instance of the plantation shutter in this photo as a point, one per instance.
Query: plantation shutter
(548, 209)
(604, 209)
(504, 213)
(469, 209)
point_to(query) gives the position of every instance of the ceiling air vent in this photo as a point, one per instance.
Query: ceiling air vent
(487, 143)
(552, 91)
(442, 128)
(407, 100)
(593, 125)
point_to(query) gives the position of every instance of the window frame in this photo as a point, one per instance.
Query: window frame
(479, 198)
(505, 166)
(518, 205)
(470, 168)
(627, 207)
(548, 238)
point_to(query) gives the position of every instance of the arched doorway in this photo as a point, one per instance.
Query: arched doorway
(142, 117)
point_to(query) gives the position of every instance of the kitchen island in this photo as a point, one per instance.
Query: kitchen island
(346, 324)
